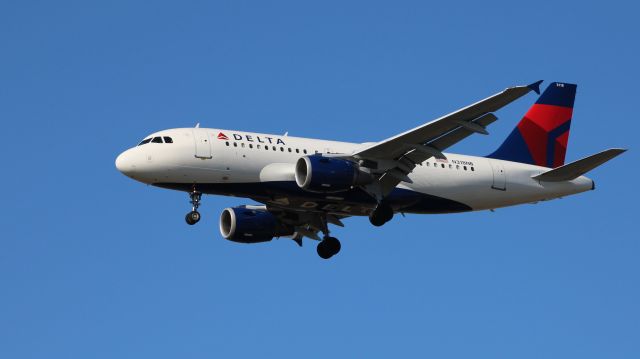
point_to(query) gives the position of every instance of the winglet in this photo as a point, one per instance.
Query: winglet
(535, 86)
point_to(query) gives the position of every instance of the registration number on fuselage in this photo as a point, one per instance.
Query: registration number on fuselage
(465, 163)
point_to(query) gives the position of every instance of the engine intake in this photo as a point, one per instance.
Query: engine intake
(326, 174)
(249, 225)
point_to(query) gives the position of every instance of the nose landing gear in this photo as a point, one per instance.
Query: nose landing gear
(193, 217)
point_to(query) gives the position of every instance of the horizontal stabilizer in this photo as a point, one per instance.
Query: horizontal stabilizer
(576, 169)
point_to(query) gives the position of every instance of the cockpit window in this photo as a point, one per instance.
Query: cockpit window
(168, 140)
(145, 141)
(157, 140)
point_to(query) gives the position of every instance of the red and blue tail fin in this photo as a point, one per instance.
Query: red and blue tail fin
(541, 136)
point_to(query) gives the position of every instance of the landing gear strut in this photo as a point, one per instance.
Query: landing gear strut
(194, 216)
(382, 214)
(329, 246)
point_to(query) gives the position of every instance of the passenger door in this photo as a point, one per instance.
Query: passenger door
(202, 143)
(499, 176)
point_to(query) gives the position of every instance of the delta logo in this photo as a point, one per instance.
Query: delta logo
(252, 138)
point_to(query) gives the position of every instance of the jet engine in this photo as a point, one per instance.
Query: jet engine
(251, 225)
(328, 174)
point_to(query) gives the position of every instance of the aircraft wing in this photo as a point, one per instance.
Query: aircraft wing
(397, 156)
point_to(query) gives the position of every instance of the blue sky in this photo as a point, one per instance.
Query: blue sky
(95, 265)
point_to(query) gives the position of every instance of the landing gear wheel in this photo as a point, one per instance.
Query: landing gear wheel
(333, 244)
(376, 219)
(192, 217)
(323, 250)
(328, 248)
(382, 214)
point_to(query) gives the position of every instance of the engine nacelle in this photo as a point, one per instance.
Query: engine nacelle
(249, 225)
(327, 174)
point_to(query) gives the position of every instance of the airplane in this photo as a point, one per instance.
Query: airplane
(304, 185)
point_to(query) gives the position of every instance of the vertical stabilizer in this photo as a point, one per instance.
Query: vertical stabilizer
(541, 136)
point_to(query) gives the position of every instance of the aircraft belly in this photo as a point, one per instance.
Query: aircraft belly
(355, 202)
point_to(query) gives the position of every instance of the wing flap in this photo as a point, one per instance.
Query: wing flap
(576, 169)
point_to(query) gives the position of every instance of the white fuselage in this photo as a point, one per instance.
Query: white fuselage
(261, 166)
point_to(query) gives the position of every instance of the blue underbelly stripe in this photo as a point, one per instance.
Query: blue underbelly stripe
(353, 202)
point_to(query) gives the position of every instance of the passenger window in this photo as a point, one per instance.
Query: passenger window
(157, 140)
(289, 149)
(235, 144)
(168, 140)
(258, 146)
(465, 167)
(305, 151)
(472, 169)
(227, 143)
(297, 150)
(427, 164)
(457, 167)
(442, 165)
(144, 142)
(281, 149)
(266, 148)
(250, 145)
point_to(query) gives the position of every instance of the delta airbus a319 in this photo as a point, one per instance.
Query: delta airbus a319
(304, 185)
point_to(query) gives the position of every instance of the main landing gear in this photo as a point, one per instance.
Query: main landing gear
(329, 246)
(382, 214)
(194, 216)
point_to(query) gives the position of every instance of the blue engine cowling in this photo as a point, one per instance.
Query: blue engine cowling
(251, 225)
(327, 174)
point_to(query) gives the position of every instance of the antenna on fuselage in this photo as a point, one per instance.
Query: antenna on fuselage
(197, 125)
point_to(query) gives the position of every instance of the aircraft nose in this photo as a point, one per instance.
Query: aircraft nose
(124, 163)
